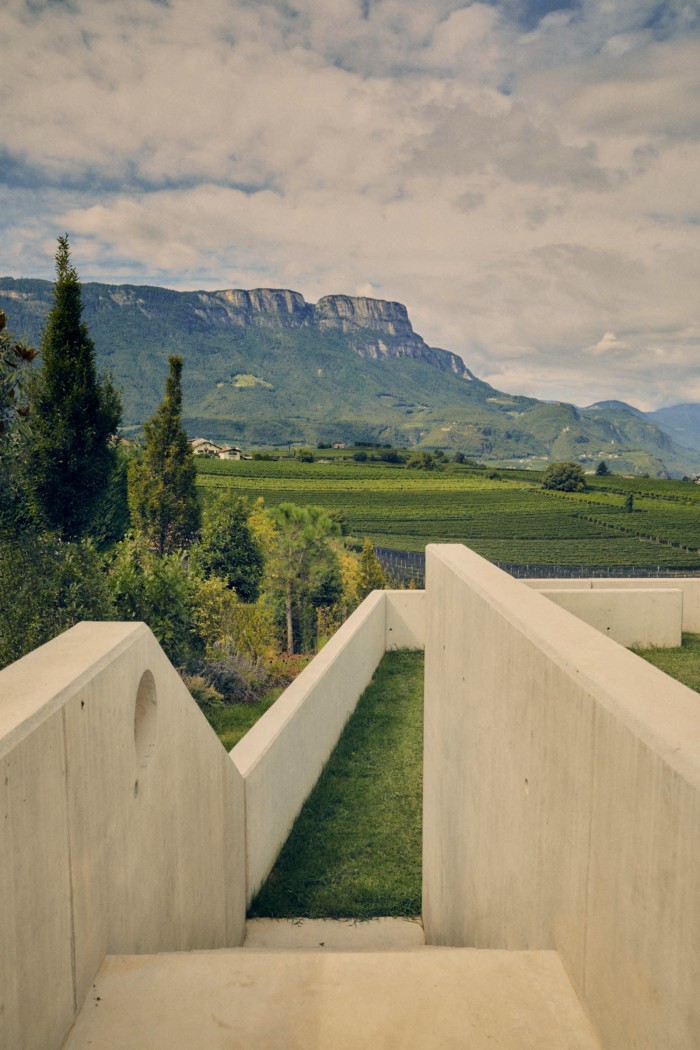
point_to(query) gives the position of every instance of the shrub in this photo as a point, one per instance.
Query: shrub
(564, 477)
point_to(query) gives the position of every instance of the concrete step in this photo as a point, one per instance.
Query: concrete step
(345, 934)
(277, 999)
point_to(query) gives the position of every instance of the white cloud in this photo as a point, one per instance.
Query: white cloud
(526, 194)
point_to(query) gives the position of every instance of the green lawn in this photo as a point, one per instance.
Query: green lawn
(232, 721)
(355, 849)
(682, 663)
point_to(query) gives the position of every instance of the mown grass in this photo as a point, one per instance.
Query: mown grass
(682, 662)
(355, 849)
(232, 721)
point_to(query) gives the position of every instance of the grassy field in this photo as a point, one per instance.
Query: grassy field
(355, 849)
(507, 518)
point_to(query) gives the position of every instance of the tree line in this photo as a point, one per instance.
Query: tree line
(93, 527)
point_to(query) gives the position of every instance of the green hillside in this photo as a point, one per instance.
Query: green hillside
(265, 367)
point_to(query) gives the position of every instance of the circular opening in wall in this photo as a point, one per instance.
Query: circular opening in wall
(145, 718)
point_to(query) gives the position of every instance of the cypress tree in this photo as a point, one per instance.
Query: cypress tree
(162, 495)
(75, 415)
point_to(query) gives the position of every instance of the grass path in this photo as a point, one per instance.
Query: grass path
(355, 849)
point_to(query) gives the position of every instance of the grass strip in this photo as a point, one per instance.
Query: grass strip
(681, 662)
(355, 849)
(230, 722)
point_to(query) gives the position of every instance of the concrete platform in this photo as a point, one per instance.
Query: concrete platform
(245, 999)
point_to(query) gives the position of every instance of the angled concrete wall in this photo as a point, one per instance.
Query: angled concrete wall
(122, 823)
(561, 801)
(635, 618)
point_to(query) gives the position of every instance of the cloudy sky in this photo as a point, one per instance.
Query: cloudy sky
(523, 174)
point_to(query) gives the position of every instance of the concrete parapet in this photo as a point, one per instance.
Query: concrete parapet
(108, 769)
(632, 617)
(281, 757)
(689, 585)
(561, 801)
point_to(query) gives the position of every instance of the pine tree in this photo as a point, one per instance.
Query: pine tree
(162, 495)
(75, 415)
(300, 555)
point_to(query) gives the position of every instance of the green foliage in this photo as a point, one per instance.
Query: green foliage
(628, 505)
(47, 586)
(423, 461)
(564, 477)
(304, 455)
(75, 415)
(227, 547)
(602, 470)
(355, 849)
(162, 495)
(15, 358)
(371, 574)
(15, 432)
(112, 520)
(159, 590)
(300, 555)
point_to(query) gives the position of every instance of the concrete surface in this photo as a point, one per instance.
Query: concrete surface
(348, 934)
(279, 1000)
(689, 585)
(634, 618)
(404, 619)
(561, 801)
(281, 757)
(107, 768)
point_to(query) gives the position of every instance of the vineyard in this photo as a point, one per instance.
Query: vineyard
(507, 518)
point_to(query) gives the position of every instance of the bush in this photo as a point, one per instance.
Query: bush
(47, 586)
(564, 477)
(157, 590)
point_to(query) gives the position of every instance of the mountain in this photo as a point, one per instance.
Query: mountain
(266, 367)
(680, 422)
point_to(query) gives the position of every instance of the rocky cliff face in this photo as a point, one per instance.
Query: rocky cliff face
(376, 328)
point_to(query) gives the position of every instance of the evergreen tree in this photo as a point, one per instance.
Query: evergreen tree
(15, 358)
(162, 495)
(227, 547)
(75, 415)
(371, 577)
(602, 470)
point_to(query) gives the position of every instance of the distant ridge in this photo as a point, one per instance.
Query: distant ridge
(263, 366)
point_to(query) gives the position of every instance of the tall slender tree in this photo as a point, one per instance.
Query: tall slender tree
(76, 412)
(162, 495)
(300, 554)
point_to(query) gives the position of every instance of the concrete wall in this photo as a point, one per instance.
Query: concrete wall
(634, 617)
(561, 801)
(121, 823)
(404, 619)
(281, 757)
(690, 586)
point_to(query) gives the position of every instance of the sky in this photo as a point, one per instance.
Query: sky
(523, 174)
